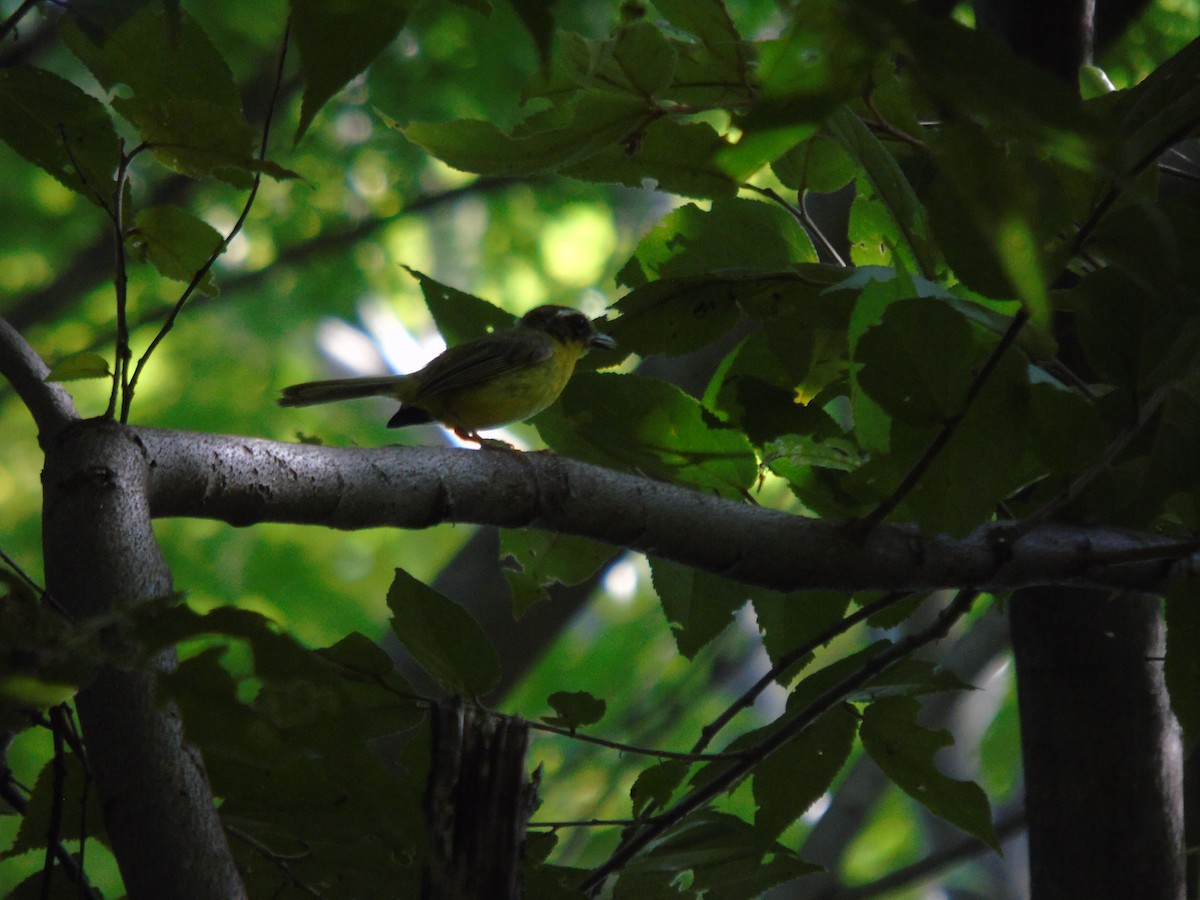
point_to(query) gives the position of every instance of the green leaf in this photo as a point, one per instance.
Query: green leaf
(905, 752)
(680, 157)
(698, 606)
(1065, 429)
(79, 366)
(820, 164)
(917, 363)
(725, 855)
(460, 316)
(543, 559)
(60, 129)
(796, 776)
(163, 58)
(30, 692)
(575, 709)
(987, 460)
(890, 184)
(595, 122)
(737, 234)
(1182, 668)
(35, 824)
(337, 41)
(1160, 110)
(911, 678)
(790, 452)
(538, 19)
(972, 75)
(176, 243)
(725, 55)
(819, 61)
(442, 637)
(194, 137)
(654, 786)
(638, 424)
(643, 58)
(786, 621)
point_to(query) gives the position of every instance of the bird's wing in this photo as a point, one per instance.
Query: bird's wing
(479, 361)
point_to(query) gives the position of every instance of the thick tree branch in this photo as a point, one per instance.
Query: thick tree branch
(244, 481)
(49, 404)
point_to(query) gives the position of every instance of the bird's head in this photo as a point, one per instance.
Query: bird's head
(566, 325)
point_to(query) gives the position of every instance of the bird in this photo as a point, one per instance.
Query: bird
(503, 377)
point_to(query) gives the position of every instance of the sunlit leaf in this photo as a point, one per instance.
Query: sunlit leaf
(79, 366)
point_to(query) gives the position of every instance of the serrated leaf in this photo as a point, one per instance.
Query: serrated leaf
(79, 366)
(35, 823)
(638, 424)
(176, 243)
(194, 136)
(698, 606)
(442, 637)
(905, 752)
(59, 128)
(575, 709)
(797, 775)
(337, 41)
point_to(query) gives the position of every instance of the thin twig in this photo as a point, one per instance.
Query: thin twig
(635, 841)
(203, 271)
(583, 823)
(860, 528)
(10, 24)
(54, 827)
(121, 354)
(629, 748)
(800, 212)
(776, 672)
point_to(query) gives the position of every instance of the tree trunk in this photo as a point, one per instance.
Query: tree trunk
(478, 802)
(1102, 751)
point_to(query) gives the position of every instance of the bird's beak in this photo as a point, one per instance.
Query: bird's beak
(601, 341)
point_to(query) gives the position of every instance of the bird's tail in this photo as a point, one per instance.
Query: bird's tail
(313, 392)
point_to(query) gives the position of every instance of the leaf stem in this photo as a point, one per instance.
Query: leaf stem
(860, 528)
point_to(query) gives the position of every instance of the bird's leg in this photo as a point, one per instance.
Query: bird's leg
(485, 443)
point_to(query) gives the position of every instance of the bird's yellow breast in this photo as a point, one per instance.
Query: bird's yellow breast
(507, 397)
